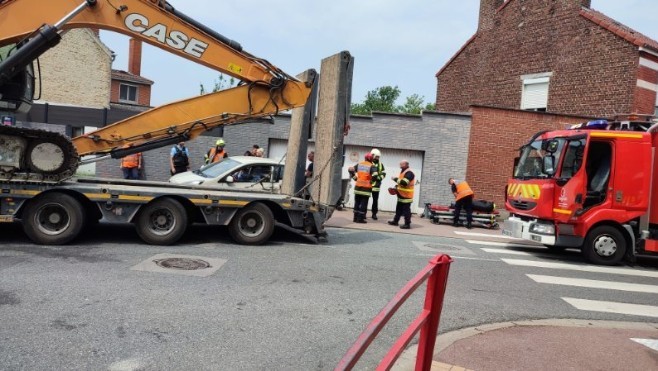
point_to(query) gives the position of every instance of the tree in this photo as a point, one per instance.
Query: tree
(223, 82)
(383, 99)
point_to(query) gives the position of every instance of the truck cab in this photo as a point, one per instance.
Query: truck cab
(588, 187)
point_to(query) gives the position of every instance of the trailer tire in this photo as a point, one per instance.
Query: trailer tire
(252, 225)
(604, 245)
(53, 219)
(162, 222)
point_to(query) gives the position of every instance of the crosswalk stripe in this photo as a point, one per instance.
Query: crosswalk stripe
(501, 244)
(594, 284)
(476, 234)
(613, 307)
(650, 343)
(504, 251)
(582, 268)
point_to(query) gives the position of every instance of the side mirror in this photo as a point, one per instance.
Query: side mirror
(229, 179)
(552, 146)
(549, 165)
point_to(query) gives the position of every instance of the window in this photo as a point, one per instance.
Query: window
(76, 131)
(535, 92)
(127, 93)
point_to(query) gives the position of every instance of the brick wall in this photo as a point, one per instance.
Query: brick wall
(594, 71)
(79, 54)
(492, 151)
(143, 93)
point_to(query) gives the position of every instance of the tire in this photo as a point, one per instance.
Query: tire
(604, 245)
(162, 222)
(252, 225)
(53, 219)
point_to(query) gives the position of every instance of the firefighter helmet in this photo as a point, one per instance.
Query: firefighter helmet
(375, 152)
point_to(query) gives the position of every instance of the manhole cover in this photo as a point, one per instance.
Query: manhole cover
(182, 263)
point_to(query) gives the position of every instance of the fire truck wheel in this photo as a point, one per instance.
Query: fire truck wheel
(53, 219)
(161, 222)
(604, 245)
(252, 225)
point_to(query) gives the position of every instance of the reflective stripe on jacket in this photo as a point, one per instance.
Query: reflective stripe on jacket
(377, 180)
(215, 156)
(131, 161)
(463, 190)
(363, 177)
(406, 187)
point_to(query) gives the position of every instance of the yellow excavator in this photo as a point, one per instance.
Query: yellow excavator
(31, 27)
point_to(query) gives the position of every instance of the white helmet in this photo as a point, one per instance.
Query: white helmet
(375, 152)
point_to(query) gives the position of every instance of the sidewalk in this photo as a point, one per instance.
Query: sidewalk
(553, 344)
(419, 226)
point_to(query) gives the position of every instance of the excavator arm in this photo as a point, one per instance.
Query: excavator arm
(36, 25)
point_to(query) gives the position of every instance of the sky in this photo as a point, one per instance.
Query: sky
(399, 43)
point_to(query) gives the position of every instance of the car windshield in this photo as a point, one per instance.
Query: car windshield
(531, 162)
(218, 168)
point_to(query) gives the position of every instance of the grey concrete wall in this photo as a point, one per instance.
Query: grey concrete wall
(444, 139)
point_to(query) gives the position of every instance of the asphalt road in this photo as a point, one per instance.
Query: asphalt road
(286, 305)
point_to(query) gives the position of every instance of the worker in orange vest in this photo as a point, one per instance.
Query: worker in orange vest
(362, 173)
(463, 199)
(216, 153)
(404, 188)
(131, 165)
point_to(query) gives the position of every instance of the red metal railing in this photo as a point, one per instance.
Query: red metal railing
(436, 274)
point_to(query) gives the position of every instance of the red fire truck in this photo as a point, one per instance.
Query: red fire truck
(590, 187)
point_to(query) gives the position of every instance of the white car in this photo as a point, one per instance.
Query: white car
(236, 173)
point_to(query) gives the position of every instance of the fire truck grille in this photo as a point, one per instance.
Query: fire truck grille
(523, 205)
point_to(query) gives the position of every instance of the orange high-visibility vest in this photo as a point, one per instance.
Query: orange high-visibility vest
(215, 156)
(405, 192)
(131, 161)
(463, 190)
(363, 177)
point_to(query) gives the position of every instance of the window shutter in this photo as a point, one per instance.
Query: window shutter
(535, 93)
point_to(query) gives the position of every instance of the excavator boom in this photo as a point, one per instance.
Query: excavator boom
(34, 26)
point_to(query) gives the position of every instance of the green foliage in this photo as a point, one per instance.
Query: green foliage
(222, 83)
(383, 99)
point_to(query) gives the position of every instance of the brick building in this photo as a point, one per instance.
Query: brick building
(539, 65)
(129, 88)
(554, 56)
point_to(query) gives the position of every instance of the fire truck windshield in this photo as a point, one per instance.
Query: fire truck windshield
(532, 163)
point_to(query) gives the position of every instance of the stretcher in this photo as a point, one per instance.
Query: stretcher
(438, 214)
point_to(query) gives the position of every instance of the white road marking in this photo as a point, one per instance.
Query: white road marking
(503, 244)
(504, 251)
(651, 343)
(613, 307)
(582, 268)
(475, 234)
(594, 284)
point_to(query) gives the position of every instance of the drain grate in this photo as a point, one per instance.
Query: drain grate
(182, 263)
(441, 247)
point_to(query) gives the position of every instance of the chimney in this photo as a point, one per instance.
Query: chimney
(135, 57)
(488, 10)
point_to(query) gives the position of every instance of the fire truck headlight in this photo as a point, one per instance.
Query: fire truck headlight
(541, 228)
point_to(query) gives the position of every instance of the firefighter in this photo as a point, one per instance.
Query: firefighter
(377, 180)
(216, 153)
(131, 165)
(404, 188)
(362, 173)
(463, 199)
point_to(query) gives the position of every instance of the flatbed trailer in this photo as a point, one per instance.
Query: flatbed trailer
(55, 214)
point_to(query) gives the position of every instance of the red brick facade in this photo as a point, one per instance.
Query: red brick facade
(143, 91)
(492, 153)
(594, 63)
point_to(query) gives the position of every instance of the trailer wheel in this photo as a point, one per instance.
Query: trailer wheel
(604, 245)
(53, 219)
(252, 225)
(162, 222)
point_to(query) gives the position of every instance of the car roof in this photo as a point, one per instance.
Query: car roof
(248, 160)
